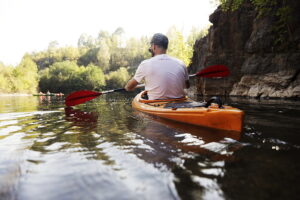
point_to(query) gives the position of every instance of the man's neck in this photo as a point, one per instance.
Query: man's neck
(160, 53)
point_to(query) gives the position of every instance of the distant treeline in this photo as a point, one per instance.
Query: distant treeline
(105, 62)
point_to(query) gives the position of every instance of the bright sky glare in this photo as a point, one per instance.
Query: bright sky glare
(30, 25)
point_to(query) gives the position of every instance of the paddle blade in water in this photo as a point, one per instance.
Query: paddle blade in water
(214, 71)
(81, 96)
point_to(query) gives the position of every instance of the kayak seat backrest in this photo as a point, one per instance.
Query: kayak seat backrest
(216, 100)
(144, 96)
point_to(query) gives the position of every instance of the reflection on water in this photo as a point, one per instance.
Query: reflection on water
(105, 150)
(10, 104)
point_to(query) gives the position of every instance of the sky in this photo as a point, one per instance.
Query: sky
(30, 25)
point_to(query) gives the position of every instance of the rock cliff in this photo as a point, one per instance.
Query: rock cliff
(262, 62)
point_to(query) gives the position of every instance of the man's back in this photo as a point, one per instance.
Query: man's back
(164, 77)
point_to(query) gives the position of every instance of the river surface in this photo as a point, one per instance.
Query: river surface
(104, 149)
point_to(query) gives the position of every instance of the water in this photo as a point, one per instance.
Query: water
(106, 150)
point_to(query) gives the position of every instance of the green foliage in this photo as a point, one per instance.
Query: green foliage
(278, 8)
(104, 55)
(86, 41)
(117, 78)
(181, 48)
(94, 77)
(67, 76)
(20, 79)
(68, 53)
(53, 54)
(6, 78)
(59, 76)
(196, 34)
(110, 51)
(26, 76)
(231, 4)
(118, 59)
(105, 62)
(90, 57)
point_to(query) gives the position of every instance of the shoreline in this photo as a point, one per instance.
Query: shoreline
(13, 94)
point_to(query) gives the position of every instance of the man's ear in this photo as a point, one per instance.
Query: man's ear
(154, 47)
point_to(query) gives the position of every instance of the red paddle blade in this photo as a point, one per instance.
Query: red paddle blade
(81, 96)
(214, 71)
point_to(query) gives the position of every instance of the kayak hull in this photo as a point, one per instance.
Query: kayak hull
(227, 118)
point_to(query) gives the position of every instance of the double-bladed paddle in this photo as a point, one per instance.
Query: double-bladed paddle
(79, 97)
(213, 71)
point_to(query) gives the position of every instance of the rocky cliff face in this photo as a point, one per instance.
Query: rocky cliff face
(247, 45)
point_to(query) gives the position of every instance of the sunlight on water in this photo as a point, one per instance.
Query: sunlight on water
(213, 191)
(105, 150)
(190, 139)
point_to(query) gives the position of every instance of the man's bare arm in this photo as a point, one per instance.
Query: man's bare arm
(130, 86)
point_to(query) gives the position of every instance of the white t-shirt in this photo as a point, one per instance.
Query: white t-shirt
(164, 77)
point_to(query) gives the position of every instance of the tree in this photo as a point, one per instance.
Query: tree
(107, 61)
(86, 41)
(26, 76)
(53, 46)
(67, 76)
(178, 47)
(90, 57)
(117, 78)
(137, 50)
(68, 53)
(94, 77)
(103, 55)
(196, 34)
(60, 77)
(117, 38)
(6, 78)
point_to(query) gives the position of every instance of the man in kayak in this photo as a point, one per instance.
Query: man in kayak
(165, 77)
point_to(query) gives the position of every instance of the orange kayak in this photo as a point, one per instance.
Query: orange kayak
(188, 111)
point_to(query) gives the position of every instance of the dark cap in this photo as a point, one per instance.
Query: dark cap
(160, 40)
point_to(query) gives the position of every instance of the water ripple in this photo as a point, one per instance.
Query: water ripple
(103, 150)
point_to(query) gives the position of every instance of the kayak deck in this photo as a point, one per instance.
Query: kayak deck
(225, 118)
